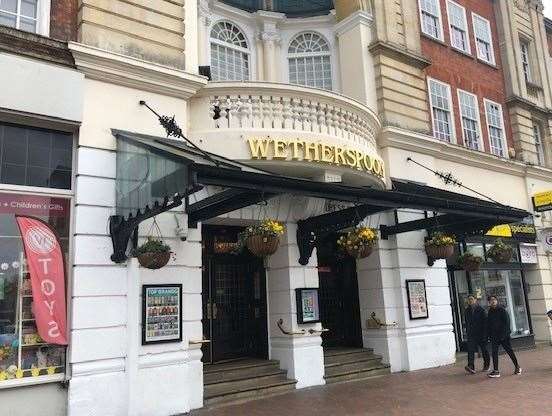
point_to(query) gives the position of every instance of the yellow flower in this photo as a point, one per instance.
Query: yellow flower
(3, 376)
(35, 372)
(19, 373)
(51, 370)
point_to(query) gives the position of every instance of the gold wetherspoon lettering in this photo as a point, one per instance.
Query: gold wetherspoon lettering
(315, 152)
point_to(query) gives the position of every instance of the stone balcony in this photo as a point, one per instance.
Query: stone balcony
(289, 129)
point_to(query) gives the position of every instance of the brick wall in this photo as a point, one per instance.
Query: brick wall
(63, 19)
(462, 71)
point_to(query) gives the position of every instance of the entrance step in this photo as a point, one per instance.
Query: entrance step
(242, 380)
(352, 364)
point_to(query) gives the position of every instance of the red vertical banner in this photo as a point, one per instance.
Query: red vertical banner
(47, 270)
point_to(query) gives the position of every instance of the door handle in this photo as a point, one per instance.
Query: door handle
(215, 311)
(209, 315)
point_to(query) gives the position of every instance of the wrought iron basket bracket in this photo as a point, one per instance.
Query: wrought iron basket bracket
(430, 260)
(121, 228)
(314, 229)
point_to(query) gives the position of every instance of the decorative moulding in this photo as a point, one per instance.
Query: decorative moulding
(131, 72)
(415, 142)
(360, 17)
(400, 53)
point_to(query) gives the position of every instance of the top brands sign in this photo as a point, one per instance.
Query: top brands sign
(279, 149)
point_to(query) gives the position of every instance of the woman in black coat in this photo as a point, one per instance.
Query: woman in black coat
(498, 330)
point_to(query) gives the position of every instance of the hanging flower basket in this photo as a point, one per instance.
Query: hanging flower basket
(153, 254)
(264, 239)
(440, 246)
(470, 262)
(358, 243)
(500, 252)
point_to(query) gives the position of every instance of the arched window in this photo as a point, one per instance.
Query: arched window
(310, 61)
(229, 53)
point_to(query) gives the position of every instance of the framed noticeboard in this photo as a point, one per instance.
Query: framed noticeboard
(417, 299)
(308, 308)
(161, 313)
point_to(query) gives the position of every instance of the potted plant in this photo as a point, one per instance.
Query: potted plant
(358, 243)
(263, 239)
(440, 245)
(500, 252)
(153, 254)
(469, 262)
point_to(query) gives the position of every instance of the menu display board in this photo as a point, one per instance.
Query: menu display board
(308, 309)
(161, 313)
(417, 299)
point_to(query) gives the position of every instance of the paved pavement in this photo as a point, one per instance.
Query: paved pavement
(442, 391)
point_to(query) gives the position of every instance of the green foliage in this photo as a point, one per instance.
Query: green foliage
(152, 245)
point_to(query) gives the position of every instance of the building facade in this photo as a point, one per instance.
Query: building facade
(325, 105)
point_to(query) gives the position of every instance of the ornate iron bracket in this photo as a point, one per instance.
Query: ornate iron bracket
(280, 323)
(379, 323)
(314, 229)
(121, 228)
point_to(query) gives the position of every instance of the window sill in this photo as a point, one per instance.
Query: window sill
(462, 52)
(434, 39)
(31, 381)
(492, 65)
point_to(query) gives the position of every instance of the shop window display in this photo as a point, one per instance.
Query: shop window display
(23, 353)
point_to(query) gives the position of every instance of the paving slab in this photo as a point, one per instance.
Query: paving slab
(443, 391)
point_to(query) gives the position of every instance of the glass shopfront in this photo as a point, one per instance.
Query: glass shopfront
(38, 158)
(506, 281)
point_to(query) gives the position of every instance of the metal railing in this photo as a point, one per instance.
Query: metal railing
(294, 8)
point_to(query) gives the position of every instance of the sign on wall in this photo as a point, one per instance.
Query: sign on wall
(300, 150)
(161, 313)
(542, 201)
(546, 238)
(417, 299)
(528, 254)
(308, 309)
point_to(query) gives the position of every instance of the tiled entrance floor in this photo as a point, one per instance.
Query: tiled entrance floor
(444, 391)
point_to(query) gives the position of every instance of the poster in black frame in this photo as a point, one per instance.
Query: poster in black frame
(417, 299)
(308, 306)
(161, 313)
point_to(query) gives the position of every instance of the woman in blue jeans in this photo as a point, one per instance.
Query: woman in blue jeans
(498, 330)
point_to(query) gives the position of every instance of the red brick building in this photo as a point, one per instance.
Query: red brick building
(466, 84)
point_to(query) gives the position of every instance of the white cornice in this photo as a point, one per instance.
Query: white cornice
(420, 143)
(360, 17)
(130, 72)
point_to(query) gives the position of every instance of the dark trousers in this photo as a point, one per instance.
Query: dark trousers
(473, 345)
(507, 347)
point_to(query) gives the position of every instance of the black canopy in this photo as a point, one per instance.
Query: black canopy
(245, 185)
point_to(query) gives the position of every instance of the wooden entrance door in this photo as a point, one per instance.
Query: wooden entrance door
(234, 304)
(339, 304)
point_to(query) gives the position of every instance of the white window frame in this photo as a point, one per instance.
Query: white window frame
(488, 24)
(526, 60)
(480, 141)
(453, 139)
(539, 143)
(240, 49)
(504, 143)
(42, 17)
(465, 28)
(439, 18)
(324, 54)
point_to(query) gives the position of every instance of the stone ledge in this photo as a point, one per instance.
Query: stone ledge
(35, 46)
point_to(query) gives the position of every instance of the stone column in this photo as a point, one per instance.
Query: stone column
(411, 344)
(204, 17)
(301, 355)
(270, 39)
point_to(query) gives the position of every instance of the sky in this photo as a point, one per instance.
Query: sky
(548, 8)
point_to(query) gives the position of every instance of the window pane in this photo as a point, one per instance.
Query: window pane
(28, 8)
(15, 287)
(28, 25)
(518, 310)
(36, 157)
(8, 5)
(7, 20)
